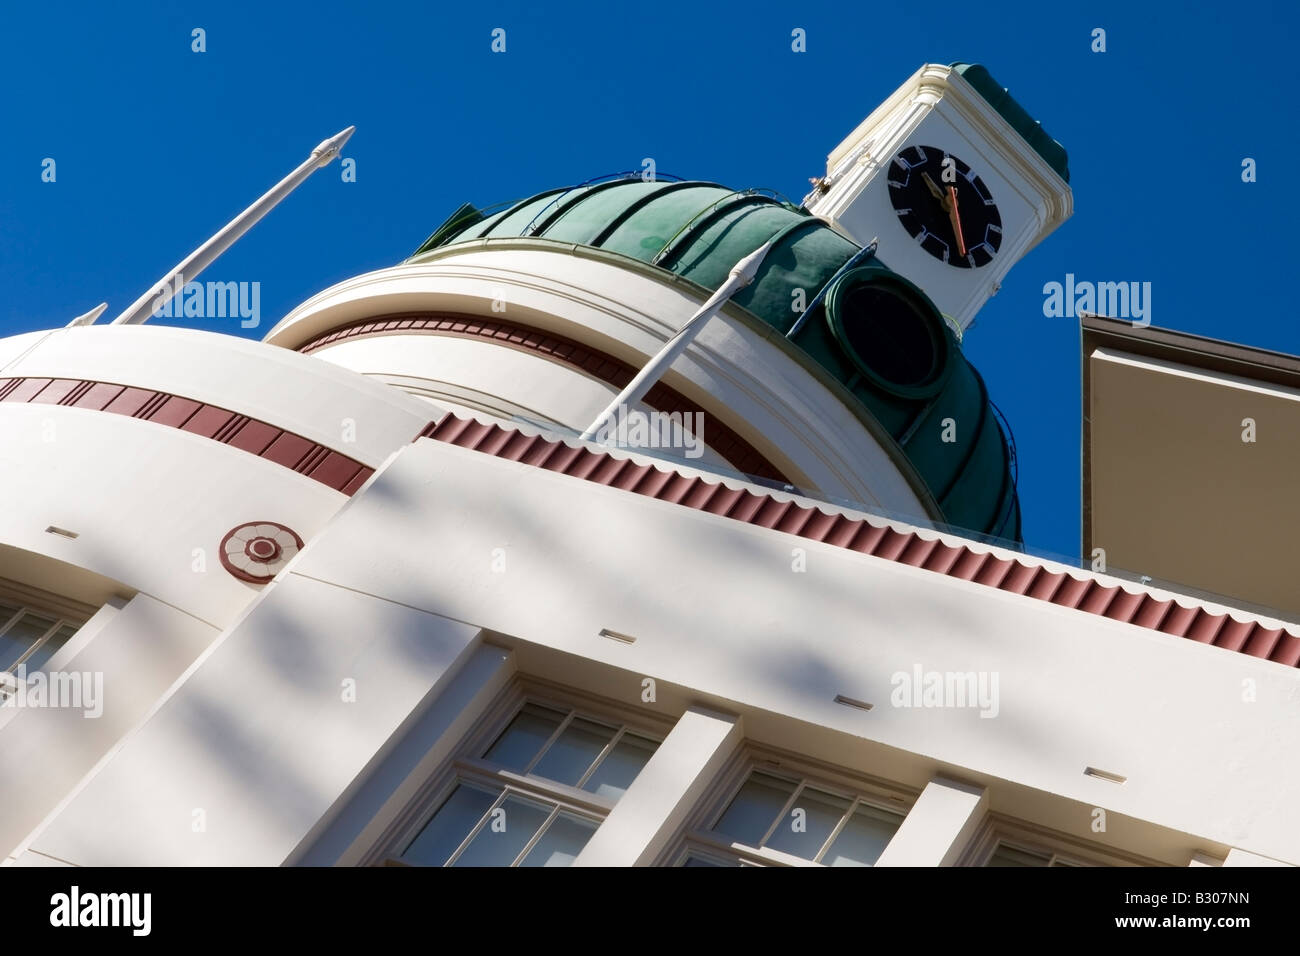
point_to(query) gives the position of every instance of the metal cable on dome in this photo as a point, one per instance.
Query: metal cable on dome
(865, 252)
(628, 174)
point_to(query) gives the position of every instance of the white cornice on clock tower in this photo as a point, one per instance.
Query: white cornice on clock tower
(937, 107)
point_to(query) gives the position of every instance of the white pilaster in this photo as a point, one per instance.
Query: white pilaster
(271, 727)
(652, 810)
(939, 826)
(345, 836)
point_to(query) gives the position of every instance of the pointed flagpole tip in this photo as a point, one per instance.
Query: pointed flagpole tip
(89, 318)
(331, 147)
(339, 139)
(747, 267)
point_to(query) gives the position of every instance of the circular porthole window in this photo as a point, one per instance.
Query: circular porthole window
(890, 330)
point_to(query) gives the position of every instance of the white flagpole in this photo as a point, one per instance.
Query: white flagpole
(88, 318)
(161, 292)
(742, 274)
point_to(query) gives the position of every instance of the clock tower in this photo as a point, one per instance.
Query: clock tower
(955, 180)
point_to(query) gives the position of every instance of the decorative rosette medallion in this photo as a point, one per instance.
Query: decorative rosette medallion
(257, 551)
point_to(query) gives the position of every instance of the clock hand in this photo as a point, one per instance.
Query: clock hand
(934, 190)
(955, 218)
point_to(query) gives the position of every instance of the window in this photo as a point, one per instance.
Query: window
(593, 756)
(1007, 841)
(34, 626)
(890, 331)
(29, 637)
(481, 826)
(533, 796)
(774, 815)
(1006, 854)
(696, 858)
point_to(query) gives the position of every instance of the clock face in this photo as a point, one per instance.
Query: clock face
(945, 207)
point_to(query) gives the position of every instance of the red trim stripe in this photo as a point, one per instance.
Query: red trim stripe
(856, 534)
(739, 453)
(259, 438)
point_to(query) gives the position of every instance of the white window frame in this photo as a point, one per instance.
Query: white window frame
(64, 611)
(721, 859)
(467, 766)
(698, 839)
(1061, 849)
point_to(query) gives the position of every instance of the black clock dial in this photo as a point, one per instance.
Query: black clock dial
(945, 207)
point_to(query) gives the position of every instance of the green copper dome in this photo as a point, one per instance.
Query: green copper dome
(870, 329)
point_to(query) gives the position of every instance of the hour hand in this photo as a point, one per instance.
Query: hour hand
(935, 191)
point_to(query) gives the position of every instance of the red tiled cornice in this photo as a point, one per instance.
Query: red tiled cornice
(857, 534)
(294, 452)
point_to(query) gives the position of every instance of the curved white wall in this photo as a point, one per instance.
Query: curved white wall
(143, 497)
(737, 367)
(150, 505)
(291, 391)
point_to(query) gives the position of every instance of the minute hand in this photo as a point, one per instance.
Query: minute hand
(955, 218)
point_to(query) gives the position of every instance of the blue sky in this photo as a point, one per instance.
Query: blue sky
(157, 146)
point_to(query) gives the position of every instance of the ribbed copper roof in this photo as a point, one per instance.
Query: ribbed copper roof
(1086, 594)
(698, 230)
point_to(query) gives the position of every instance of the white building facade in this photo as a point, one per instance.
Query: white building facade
(357, 595)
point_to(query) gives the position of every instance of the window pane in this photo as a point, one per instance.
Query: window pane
(617, 771)
(11, 650)
(863, 838)
(46, 650)
(520, 742)
(705, 861)
(25, 632)
(7, 611)
(561, 843)
(804, 833)
(575, 750)
(1010, 856)
(755, 807)
(450, 825)
(505, 835)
